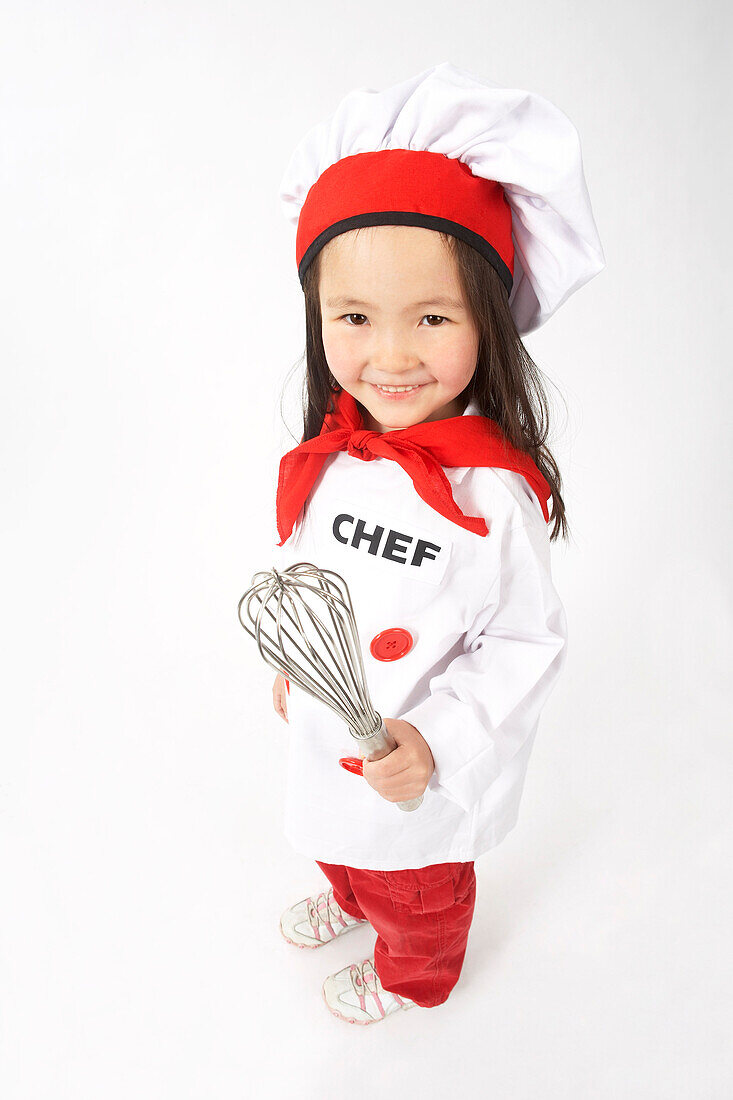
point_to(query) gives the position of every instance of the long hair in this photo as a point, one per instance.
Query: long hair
(506, 385)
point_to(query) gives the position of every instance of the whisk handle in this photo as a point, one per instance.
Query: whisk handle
(381, 744)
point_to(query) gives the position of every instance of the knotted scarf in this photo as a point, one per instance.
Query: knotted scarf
(421, 450)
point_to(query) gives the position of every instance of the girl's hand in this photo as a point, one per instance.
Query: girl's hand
(406, 771)
(279, 696)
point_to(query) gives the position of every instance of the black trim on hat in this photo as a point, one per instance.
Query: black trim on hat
(409, 217)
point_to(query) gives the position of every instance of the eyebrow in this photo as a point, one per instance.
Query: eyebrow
(342, 302)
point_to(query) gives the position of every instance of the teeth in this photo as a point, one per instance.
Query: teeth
(397, 389)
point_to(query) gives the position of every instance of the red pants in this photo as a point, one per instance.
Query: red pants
(421, 917)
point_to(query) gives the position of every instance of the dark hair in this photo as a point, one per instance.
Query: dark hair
(506, 384)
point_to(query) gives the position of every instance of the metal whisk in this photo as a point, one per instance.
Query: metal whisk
(305, 628)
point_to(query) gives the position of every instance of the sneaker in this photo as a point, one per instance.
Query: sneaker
(355, 994)
(316, 920)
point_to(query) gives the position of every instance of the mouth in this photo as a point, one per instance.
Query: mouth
(399, 393)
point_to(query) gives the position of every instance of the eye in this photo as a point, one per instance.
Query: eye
(428, 316)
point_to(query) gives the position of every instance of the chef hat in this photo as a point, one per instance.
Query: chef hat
(497, 167)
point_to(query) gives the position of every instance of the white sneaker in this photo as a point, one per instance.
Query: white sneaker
(316, 920)
(355, 994)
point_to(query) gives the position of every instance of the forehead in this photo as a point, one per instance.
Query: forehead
(402, 259)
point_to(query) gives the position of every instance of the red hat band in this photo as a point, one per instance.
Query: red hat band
(407, 187)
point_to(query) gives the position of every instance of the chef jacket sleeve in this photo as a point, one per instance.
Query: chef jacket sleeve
(484, 706)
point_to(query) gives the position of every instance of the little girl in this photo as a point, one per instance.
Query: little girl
(437, 222)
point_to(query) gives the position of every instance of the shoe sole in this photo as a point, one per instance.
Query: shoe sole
(346, 1019)
(363, 1023)
(310, 946)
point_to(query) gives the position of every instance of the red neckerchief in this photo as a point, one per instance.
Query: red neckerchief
(421, 451)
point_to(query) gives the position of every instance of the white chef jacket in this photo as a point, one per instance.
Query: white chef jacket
(489, 641)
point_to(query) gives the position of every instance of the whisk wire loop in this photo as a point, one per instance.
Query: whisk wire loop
(321, 651)
(333, 671)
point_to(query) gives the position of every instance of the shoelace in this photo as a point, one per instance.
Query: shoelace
(365, 979)
(324, 909)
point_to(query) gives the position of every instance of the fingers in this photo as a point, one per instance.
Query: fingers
(278, 700)
(385, 780)
(402, 793)
(397, 786)
(387, 767)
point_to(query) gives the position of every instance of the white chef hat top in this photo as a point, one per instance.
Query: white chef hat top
(548, 246)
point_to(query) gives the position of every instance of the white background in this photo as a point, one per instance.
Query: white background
(151, 317)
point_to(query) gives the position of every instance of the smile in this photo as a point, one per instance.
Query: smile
(396, 392)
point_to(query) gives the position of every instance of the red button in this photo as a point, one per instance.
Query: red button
(391, 644)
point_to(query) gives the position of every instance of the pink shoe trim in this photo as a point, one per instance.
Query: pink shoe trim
(346, 1019)
(370, 980)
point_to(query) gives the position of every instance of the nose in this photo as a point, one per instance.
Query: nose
(392, 356)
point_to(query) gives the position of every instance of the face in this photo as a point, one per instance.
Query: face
(393, 314)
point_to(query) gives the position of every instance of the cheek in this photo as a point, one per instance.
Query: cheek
(340, 351)
(455, 364)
